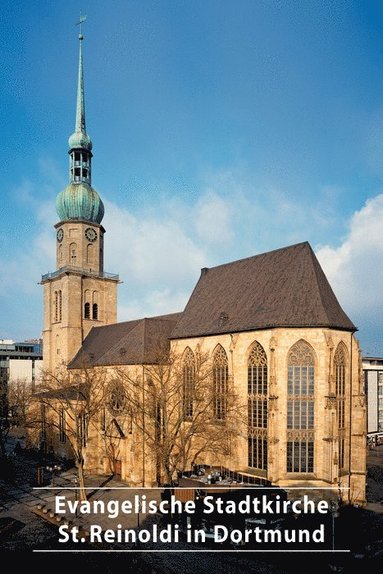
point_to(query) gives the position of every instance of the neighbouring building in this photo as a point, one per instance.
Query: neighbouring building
(20, 361)
(20, 364)
(373, 378)
(271, 324)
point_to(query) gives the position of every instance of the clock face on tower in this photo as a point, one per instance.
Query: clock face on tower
(90, 234)
(60, 235)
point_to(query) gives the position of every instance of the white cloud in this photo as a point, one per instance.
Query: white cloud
(159, 253)
(355, 271)
(212, 219)
(149, 251)
(156, 259)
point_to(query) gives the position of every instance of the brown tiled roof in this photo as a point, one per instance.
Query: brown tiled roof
(130, 343)
(282, 288)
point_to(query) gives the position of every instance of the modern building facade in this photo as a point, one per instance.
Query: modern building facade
(274, 332)
(373, 379)
(20, 364)
(20, 361)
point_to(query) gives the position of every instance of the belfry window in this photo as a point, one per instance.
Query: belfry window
(300, 408)
(87, 311)
(257, 407)
(95, 311)
(220, 383)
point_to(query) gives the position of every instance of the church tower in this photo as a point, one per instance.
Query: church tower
(79, 294)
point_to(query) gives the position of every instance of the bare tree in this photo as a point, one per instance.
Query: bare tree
(20, 396)
(70, 404)
(181, 413)
(15, 400)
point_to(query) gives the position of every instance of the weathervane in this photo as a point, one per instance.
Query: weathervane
(80, 23)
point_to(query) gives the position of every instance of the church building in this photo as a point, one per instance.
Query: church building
(271, 325)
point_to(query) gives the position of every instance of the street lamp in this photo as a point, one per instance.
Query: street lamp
(52, 469)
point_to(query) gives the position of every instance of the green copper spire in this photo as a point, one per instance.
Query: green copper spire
(79, 200)
(80, 110)
(80, 139)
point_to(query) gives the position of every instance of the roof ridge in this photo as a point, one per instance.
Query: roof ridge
(165, 317)
(138, 319)
(118, 342)
(106, 347)
(280, 288)
(113, 344)
(286, 248)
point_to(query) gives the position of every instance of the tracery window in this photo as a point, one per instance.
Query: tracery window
(220, 383)
(62, 425)
(257, 407)
(340, 393)
(116, 397)
(82, 430)
(300, 408)
(188, 372)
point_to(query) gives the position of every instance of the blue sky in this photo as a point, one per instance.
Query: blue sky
(221, 129)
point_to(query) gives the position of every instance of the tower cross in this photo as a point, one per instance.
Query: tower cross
(80, 23)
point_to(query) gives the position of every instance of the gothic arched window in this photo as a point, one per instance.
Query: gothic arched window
(62, 426)
(257, 407)
(300, 408)
(188, 383)
(340, 393)
(82, 428)
(220, 383)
